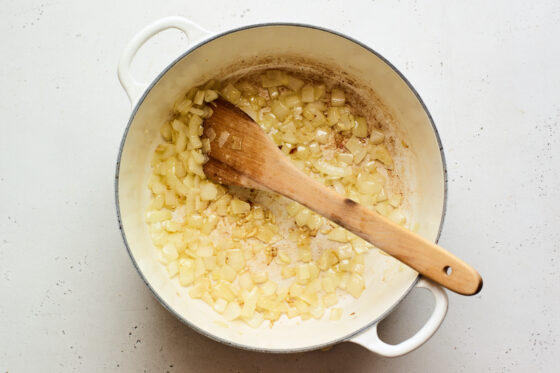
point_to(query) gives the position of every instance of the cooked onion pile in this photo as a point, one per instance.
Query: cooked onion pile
(256, 256)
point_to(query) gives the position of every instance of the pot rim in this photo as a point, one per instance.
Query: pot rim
(117, 204)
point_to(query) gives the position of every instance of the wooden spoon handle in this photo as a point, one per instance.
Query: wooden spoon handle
(417, 252)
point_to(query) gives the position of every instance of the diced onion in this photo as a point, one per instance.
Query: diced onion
(199, 97)
(360, 127)
(235, 259)
(381, 153)
(322, 136)
(303, 217)
(376, 137)
(294, 83)
(220, 243)
(240, 207)
(339, 235)
(355, 285)
(208, 191)
(307, 93)
(173, 269)
(232, 311)
(259, 277)
(338, 98)
(332, 170)
(210, 95)
(280, 110)
(231, 93)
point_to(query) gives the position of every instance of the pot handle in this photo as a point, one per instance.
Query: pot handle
(370, 338)
(133, 88)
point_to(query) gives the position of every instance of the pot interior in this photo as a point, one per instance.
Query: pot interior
(419, 163)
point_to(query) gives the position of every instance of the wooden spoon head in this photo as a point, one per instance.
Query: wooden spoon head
(238, 144)
(223, 174)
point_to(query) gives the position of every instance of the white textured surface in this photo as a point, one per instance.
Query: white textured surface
(70, 298)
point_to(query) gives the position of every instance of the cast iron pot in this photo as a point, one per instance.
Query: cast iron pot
(211, 55)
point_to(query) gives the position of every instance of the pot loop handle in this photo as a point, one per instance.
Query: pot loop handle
(370, 338)
(133, 88)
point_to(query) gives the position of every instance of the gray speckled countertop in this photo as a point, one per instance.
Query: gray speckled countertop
(72, 301)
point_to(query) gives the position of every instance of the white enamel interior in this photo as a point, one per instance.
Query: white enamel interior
(427, 199)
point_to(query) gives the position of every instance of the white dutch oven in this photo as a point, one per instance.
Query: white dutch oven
(211, 54)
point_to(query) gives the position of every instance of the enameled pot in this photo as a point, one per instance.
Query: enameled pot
(210, 55)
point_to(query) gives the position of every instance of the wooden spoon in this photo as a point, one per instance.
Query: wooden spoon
(242, 154)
